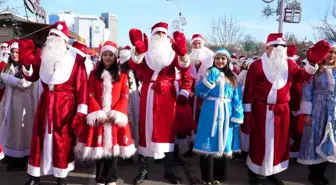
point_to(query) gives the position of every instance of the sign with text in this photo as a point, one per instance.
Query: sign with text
(34, 6)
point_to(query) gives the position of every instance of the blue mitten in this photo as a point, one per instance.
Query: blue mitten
(213, 75)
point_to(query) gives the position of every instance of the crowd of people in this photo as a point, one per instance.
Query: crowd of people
(57, 104)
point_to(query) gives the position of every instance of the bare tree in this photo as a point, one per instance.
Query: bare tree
(327, 30)
(225, 32)
(302, 45)
(5, 8)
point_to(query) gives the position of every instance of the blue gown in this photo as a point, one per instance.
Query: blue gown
(318, 140)
(220, 117)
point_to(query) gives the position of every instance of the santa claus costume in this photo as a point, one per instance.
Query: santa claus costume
(81, 48)
(296, 119)
(16, 118)
(62, 107)
(318, 145)
(155, 64)
(134, 93)
(267, 114)
(4, 56)
(107, 133)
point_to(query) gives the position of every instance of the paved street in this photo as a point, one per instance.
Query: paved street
(296, 175)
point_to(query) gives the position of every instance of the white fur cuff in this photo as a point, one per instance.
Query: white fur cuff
(28, 72)
(306, 107)
(94, 118)
(236, 120)
(184, 93)
(247, 107)
(311, 69)
(82, 108)
(118, 118)
(208, 84)
(138, 58)
(184, 61)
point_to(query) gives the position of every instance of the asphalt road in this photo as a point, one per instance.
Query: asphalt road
(295, 175)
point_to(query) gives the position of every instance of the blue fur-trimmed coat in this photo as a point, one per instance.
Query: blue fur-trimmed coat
(221, 115)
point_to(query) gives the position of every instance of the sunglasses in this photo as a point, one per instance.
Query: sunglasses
(276, 45)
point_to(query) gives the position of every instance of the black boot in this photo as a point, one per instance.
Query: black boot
(190, 152)
(33, 181)
(140, 178)
(254, 179)
(275, 180)
(321, 169)
(61, 181)
(172, 178)
(314, 176)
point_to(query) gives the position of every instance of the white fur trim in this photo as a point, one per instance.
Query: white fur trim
(2, 155)
(184, 93)
(278, 41)
(127, 151)
(125, 55)
(28, 72)
(156, 150)
(107, 141)
(306, 107)
(119, 118)
(111, 49)
(84, 152)
(59, 33)
(58, 172)
(208, 84)
(138, 58)
(247, 107)
(81, 53)
(214, 154)
(184, 61)
(273, 170)
(223, 52)
(82, 108)
(107, 91)
(236, 120)
(14, 45)
(199, 39)
(159, 29)
(310, 161)
(311, 69)
(328, 132)
(16, 153)
(94, 118)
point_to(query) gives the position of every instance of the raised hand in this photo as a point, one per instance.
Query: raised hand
(26, 50)
(141, 46)
(180, 44)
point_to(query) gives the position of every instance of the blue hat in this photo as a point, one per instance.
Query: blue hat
(332, 43)
(223, 51)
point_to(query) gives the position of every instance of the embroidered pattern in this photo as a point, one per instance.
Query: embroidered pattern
(206, 147)
(125, 139)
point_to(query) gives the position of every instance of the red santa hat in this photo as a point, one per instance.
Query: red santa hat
(5, 45)
(161, 26)
(110, 46)
(61, 29)
(275, 38)
(125, 55)
(14, 45)
(291, 52)
(318, 52)
(242, 59)
(198, 37)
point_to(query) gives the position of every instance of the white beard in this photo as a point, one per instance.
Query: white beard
(160, 53)
(279, 59)
(52, 54)
(197, 56)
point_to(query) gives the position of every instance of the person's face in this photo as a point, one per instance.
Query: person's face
(220, 61)
(54, 34)
(270, 48)
(3, 48)
(197, 44)
(161, 34)
(331, 57)
(15, 55)
(108, 58)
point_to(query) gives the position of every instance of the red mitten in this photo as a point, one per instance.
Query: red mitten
(182, 100)
(318, 52)
(26, 49)
(248, 124)
(180, 44)
(141, 46)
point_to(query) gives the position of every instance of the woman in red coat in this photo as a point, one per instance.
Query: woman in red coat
(107, 134)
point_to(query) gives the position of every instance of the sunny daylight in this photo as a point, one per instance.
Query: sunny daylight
(159, 92)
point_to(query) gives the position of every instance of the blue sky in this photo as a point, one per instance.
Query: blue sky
(143, 14)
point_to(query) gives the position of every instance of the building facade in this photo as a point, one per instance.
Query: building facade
(92, 28)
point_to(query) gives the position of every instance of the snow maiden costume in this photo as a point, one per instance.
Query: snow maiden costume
(221, 115)
(318, 144)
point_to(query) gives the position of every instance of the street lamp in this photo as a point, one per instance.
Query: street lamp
(181, 21)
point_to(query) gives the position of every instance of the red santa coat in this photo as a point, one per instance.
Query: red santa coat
(157, 105)
(62, 106)
(107, 101)
(267, 114)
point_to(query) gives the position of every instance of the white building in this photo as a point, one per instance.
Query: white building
(92, 28)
